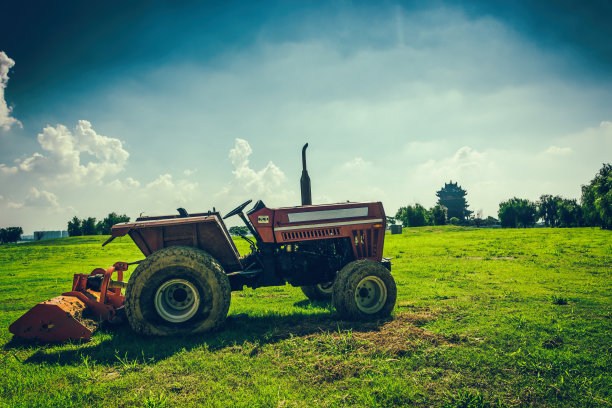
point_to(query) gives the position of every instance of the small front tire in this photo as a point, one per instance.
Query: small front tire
(364, 290)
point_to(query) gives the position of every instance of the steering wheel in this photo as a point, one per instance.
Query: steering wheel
(237, 210)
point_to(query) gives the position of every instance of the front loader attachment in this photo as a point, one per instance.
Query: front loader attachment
(77, 314)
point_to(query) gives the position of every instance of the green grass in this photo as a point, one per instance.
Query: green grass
(484, 318)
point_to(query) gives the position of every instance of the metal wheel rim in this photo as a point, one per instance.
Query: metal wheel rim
(177, 300)
(326, 288)
(370, 294)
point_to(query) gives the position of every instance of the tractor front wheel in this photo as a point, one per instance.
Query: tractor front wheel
(364, 290)
(321, 291)
(176, 291)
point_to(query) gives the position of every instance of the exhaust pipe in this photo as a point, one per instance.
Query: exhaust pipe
(305, 180)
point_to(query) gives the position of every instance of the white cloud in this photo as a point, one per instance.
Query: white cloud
(41, 198)
(6, 121)
(265, 182)
(4, 169)
(165, 190)
(466, 162)
(558, 151)
(68, 154)
(128, 184)
(356, 164)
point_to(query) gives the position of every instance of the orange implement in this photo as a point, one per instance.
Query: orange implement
(75, 315)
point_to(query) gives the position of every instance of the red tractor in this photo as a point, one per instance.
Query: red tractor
(332, 251)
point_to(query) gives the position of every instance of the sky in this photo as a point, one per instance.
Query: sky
(144, 107)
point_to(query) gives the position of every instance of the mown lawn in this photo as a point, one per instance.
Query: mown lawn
(484, 318)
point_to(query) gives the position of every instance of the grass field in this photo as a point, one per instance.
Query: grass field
(484, 318)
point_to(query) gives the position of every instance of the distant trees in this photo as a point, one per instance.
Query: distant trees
(417, 216)
(597, 199)
(517, 212)
(89, 226)
(438, 214)
(595, 208)
(548, 207)
(74, 227)
(569, 214)
(10, 234)
(413, 215)
(238, 231)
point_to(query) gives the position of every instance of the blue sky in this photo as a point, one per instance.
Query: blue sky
(151, 106)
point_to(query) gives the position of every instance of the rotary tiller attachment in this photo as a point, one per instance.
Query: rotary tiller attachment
(75, 315)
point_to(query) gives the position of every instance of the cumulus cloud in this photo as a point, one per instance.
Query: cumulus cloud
(263, 182)
(558, 151)
(466, 161)
(6, 121)
(164, 186)
(41, 198)
(128, 184)
(357, 163)
(78, 156)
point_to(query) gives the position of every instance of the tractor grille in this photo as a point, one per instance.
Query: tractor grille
(366, 243)
(311, 234)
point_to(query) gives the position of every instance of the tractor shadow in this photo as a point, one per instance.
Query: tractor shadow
(121, 344)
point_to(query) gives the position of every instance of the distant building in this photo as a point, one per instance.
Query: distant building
(40, 235)
(452, 197)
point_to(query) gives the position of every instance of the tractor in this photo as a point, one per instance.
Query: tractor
(191, 266)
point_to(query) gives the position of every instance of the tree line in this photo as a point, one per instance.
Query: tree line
(89, 226)
(10, 234)
(595, 209)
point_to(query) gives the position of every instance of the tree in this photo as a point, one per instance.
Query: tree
(548, 207)
(438, 214)
(569, 214)
(491, 221)
(390, 220)
(105, 225)
(597, 199)
(88, 226)
(413, 216)
(517, 212)
(10, 234)
(238, 231)
(74, 227)
(477, 219)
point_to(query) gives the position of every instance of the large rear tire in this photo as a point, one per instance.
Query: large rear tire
(320, 292)
(176, 291)
(364, 290)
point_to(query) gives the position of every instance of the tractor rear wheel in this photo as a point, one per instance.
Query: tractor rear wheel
(364, 290)
(177, 290)
(321, 291)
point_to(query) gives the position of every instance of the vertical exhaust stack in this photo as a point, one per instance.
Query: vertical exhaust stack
(305, 180)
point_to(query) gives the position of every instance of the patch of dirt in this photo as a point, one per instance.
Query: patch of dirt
(395, 337)
(330, 371)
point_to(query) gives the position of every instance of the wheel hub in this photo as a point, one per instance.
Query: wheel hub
(371, 294)
(177, 300)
